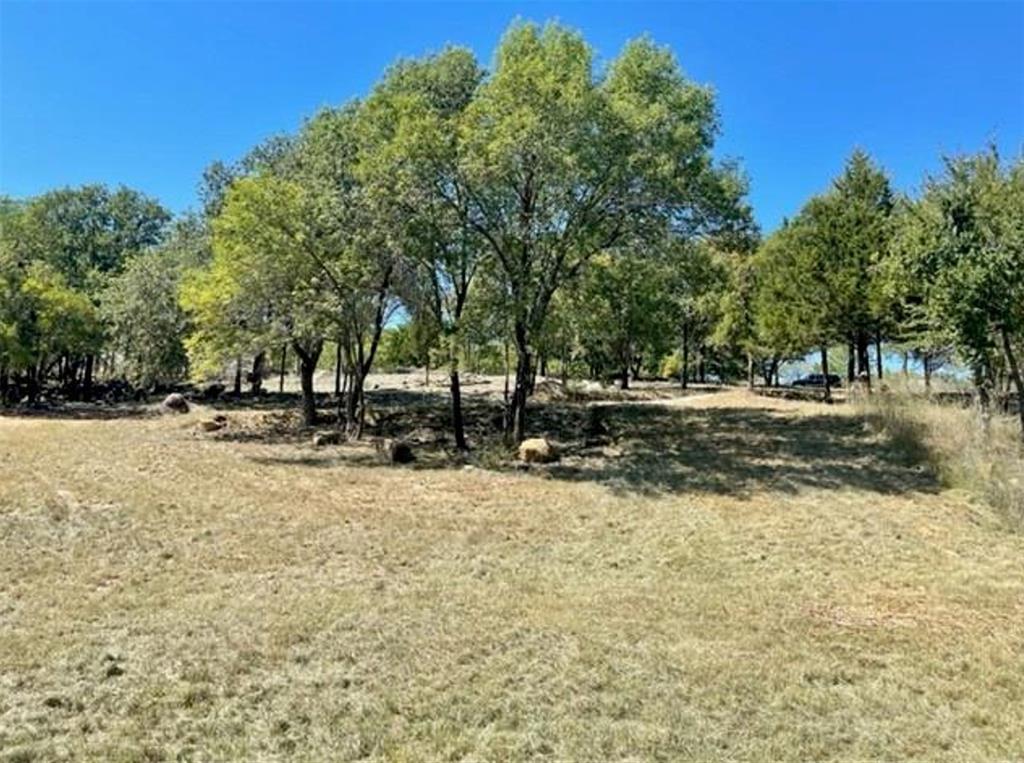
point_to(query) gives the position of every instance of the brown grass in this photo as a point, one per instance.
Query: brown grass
(750, 580)
(987, 461)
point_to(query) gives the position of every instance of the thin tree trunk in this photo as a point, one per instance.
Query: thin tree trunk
(686, 356)
(522, 383)
(927, 361)
(750, 370)
(87, 391)
(458, 425)
(256, 377)
(878, 353)
(284, 360)
(984, 399)
(824, 372)
(851, 359)
(1011, 359)
(238, 377)
(507, 411)
(906, 363)
(337, 369)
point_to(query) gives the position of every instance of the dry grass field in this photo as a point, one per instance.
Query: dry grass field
(741, 579)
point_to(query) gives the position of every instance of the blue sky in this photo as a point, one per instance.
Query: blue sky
(148, 93)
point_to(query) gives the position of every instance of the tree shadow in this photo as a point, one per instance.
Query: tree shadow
(81, 411)
(740, 451)
(646, 448)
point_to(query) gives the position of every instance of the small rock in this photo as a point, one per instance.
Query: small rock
(114, 670)
(175, 403)
(54, 702)
(328, 437)
(211, 425)
(537, 450)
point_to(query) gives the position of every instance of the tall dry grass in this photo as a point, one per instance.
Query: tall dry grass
(985, 459)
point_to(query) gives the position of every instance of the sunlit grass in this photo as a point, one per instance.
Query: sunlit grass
(167, 595)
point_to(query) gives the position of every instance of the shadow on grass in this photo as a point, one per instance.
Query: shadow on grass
(81, 411)
(645, 448)
(739, 451)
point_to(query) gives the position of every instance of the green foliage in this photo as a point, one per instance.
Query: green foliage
(55, 319)
(88, 233)
(263, 285)
(959, 254)
(145, 321)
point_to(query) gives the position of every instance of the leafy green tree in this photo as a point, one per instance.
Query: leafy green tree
(264, 285)
(559, 165)
(89, 233)
(411, 171)
(962, 245)
(86, 235)
(145, 321)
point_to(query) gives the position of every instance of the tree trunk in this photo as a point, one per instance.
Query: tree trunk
(863, 358)
(750, 370)
(1018, 383)
(878, 353)
(458, 425)
(984, 400)
(906, 363)
(927, 361)
(686, 356)
(87, 384)
(284, 360)
(851, 359)
(355, 404)
(337, 370)
(542, 365)
(507, 411)
(307, 368)
(522, 382)
(824, 372)
(700, 366)
(256, 377)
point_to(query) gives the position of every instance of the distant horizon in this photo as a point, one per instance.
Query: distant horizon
(147, 95)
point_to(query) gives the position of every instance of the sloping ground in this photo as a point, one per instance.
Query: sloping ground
(751, 580)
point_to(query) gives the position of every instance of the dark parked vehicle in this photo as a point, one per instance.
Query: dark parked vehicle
(817, 380)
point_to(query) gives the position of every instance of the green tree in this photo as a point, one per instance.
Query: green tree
(962, 244)
(560, 165)
(412, 174)
(264, 286)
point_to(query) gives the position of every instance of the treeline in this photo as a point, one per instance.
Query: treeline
(941, 274)
(545, 216)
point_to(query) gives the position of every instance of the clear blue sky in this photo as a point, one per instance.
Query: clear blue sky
(148, 93)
